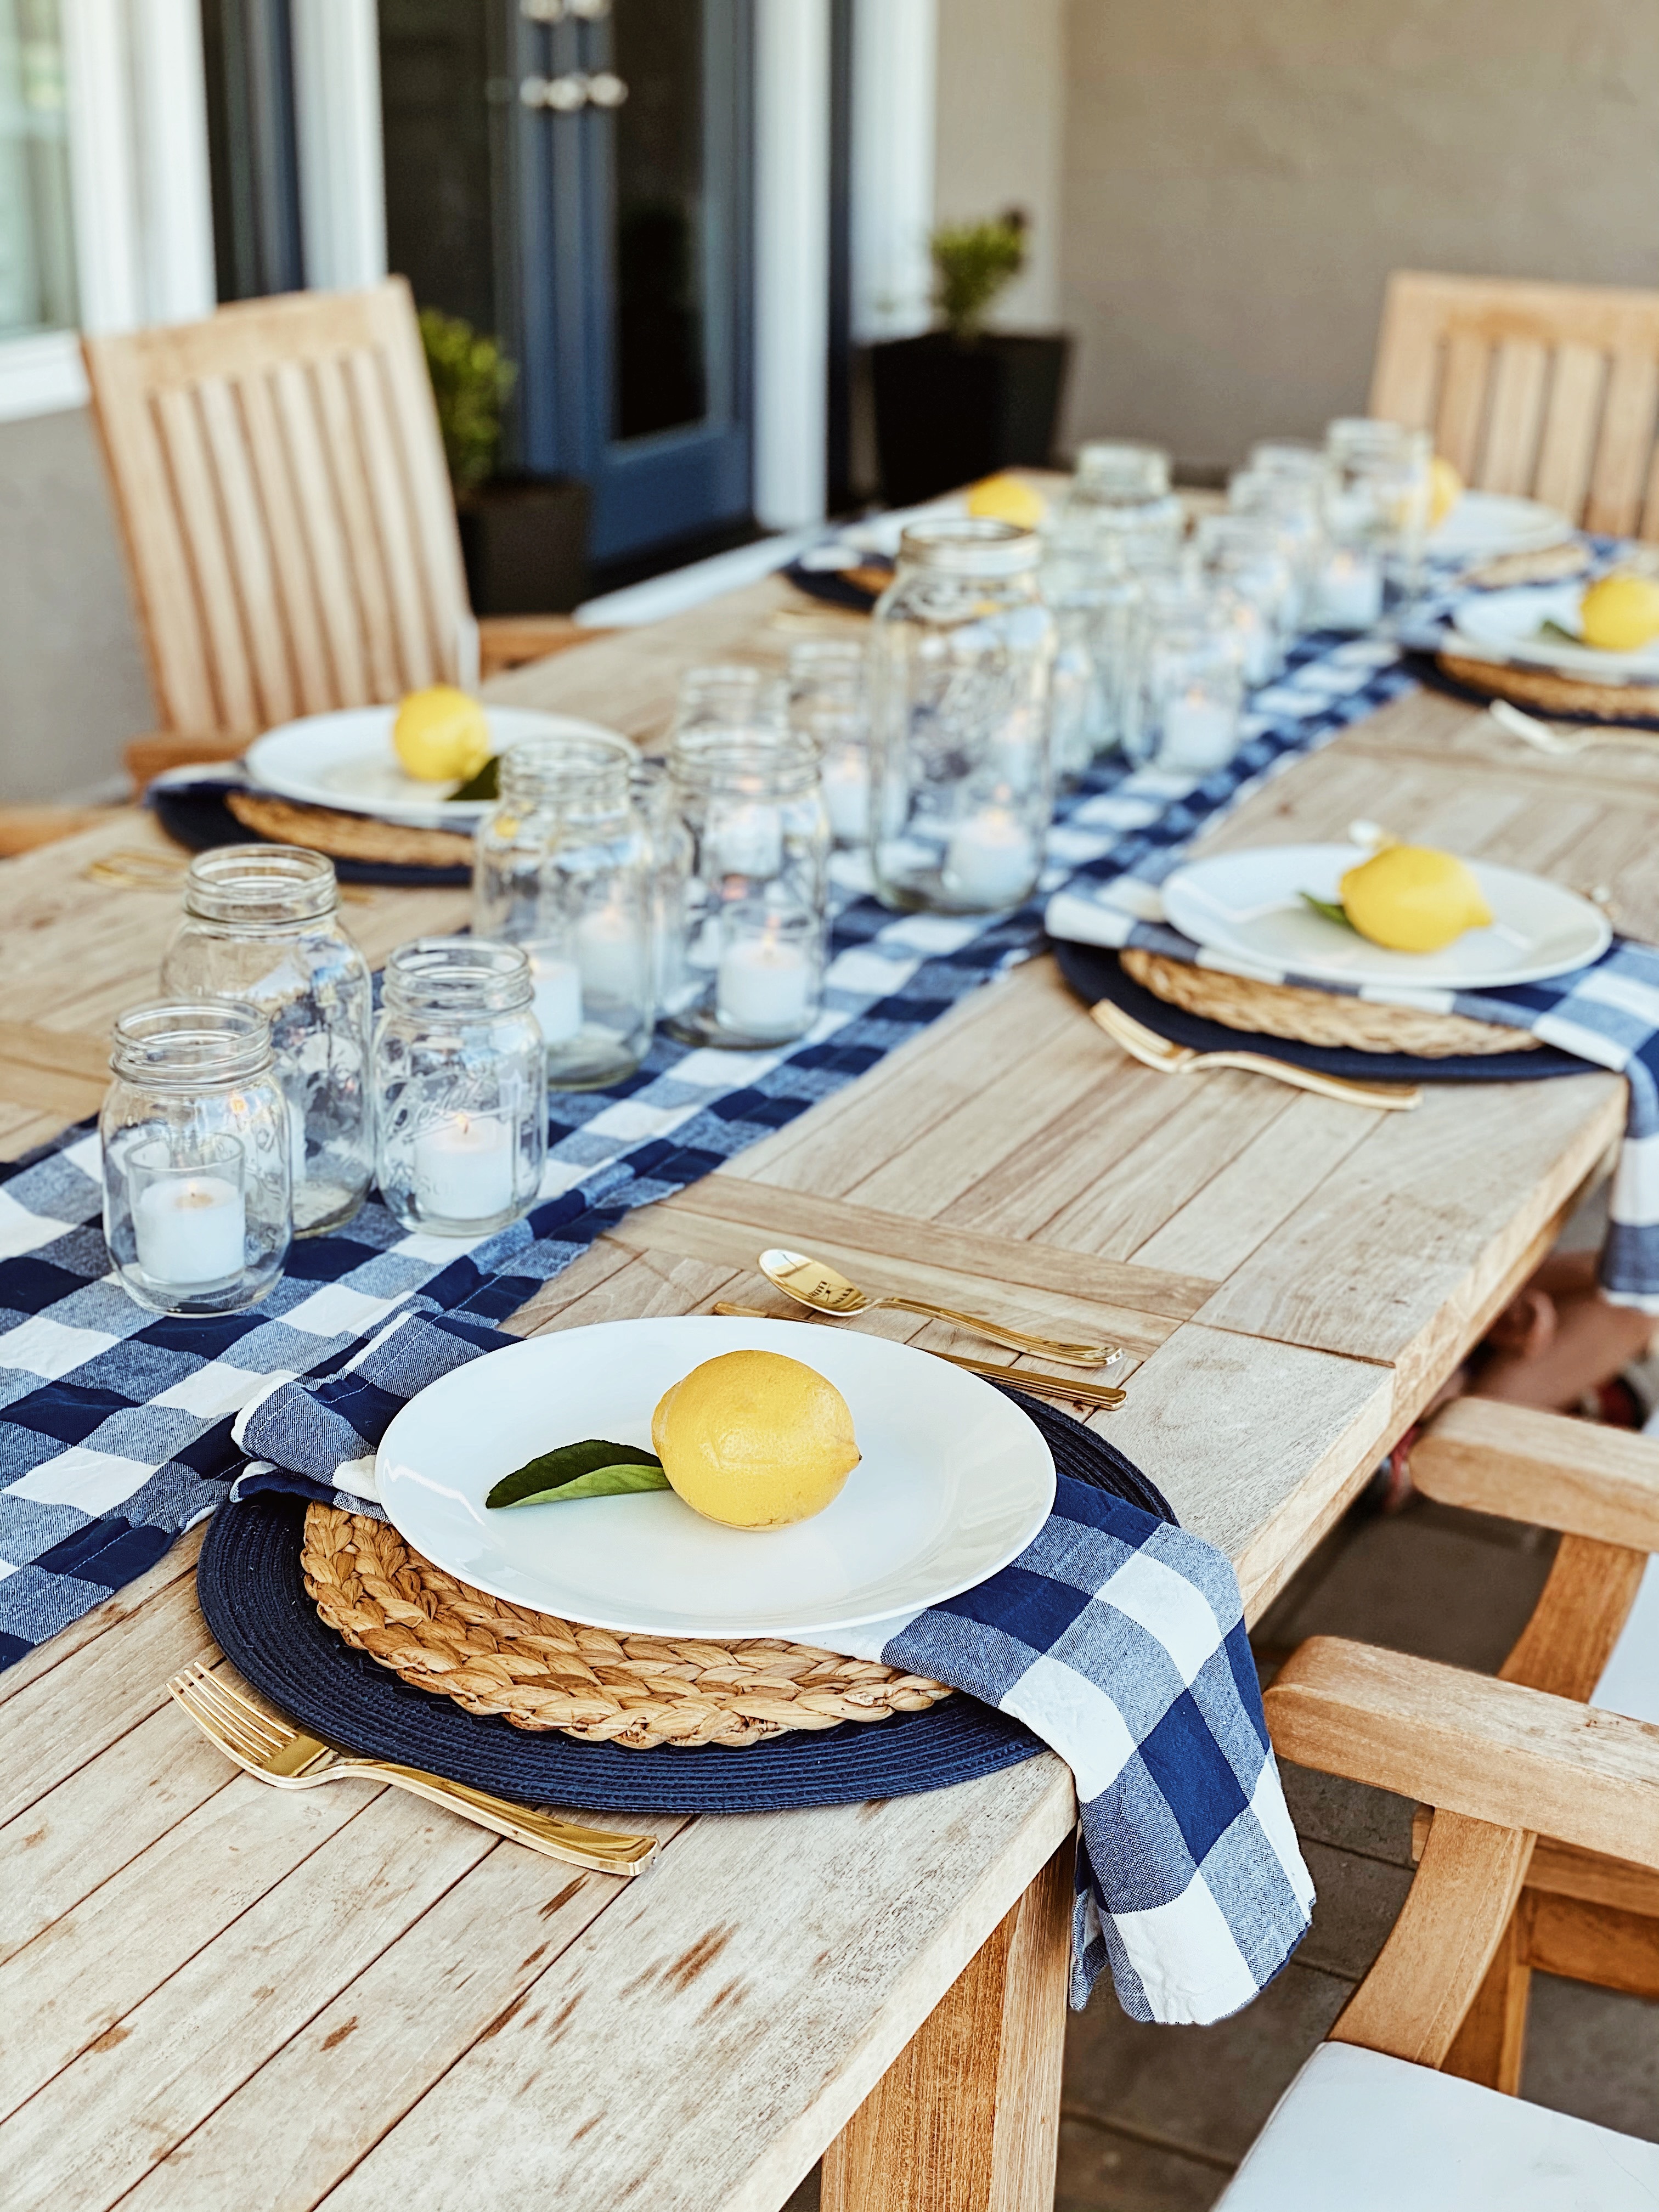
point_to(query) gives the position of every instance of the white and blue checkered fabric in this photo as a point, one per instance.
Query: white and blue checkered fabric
(115, 1424)
(1116, 1638)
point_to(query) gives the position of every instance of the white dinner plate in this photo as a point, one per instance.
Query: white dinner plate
(1483, 524)
(347, 760)
(1249, 906)
(1508, 623)
(955, 1481)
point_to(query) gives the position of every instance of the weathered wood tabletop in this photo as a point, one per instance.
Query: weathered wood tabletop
(212, 1993)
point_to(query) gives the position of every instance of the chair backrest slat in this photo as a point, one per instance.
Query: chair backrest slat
(1550, 389)
(280, 482)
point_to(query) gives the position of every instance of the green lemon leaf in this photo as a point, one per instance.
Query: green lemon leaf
(1552, 633)
(592, 1468)
(1329, 908)
(486, 784)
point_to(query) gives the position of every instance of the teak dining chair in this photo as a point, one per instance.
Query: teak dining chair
(287, 516)
(1547, 389)
(1379, 2117)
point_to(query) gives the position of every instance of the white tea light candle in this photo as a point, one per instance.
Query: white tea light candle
(991, 860)
(611, 953)
(463, 1168)
(190, 1229)
(557, 1003)
(1350, 591)
(847, 797)
(1199, 734)
(764, 987)
(747, 840)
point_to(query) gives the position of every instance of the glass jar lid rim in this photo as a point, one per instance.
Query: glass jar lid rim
(184, 1041)
(970, 544)
(459, 974)
(260, 885)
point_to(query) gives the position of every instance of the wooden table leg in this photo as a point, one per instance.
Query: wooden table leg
(967, 2118)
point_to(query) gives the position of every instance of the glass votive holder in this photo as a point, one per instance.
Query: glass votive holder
(730, 695)
(668, 870)
(461, 1082)
(1245, 555)
(1122, 471)
(963, 655)
(1378, 492)
(262, 926)
(1193, 688)
(1293, 505)
(753, 804)
(830, 705)
(561, 866)
(197, 1158)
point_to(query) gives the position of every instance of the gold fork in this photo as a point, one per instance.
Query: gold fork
(1153, 1051)
(1108, 1396)
(276, 1751)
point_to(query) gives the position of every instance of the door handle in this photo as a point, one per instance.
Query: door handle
(575, 90)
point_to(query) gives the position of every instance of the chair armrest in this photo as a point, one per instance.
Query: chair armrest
(1493, 1751)
(148, 757)
(22, 829)
(1527, 1466)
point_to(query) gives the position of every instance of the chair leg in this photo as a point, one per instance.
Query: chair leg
(1490, 2045)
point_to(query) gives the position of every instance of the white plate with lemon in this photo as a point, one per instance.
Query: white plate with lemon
(400, 763)
(1608, 630)
(1410, 917)
(1477, 524)
(892, 1480)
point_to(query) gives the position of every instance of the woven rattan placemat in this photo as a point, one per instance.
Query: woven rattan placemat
(1556, 695)
(1321, 1017)
(542, 1673)
(349, 836)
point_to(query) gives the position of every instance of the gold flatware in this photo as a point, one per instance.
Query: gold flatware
(278, 1751)
(137, 868)
(1108, 1396)
(810, 1283)
(1153, 1051)
(1564, 744)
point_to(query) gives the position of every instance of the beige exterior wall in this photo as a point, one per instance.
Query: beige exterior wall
(1239, 176)
(1000, 134)
(72, 686)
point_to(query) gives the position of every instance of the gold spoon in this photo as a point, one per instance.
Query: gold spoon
(1108, 1396)
(809, 1283)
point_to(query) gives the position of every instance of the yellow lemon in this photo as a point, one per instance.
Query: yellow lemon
(755, 1440)
(441, 736)
(1006, 498)
(1412, 899)
(1446, 489)
(1620, 613)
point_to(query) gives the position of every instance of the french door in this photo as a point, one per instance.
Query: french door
(575, 175)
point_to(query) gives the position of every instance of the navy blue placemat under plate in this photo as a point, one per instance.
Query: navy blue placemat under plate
(194, 815)
(253, 1597)
(1095, 973)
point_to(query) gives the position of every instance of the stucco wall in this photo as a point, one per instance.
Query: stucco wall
(1240, 175)
(1000, 134)
(72, 687)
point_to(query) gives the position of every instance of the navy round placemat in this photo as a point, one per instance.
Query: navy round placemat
(834, 586)
(254, 1598)
(1094, 972)
(1426, 668)
(195, 815)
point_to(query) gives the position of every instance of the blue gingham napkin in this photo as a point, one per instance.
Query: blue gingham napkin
(1607, 1014)
(1116, 1638)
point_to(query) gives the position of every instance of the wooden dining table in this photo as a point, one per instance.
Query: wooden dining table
(213, 1993)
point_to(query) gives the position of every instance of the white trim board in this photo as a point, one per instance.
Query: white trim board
(895, 96)
(791, 260)
(41, 374)
(336, 97)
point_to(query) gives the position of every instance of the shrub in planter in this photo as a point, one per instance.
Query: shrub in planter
(524, 538)
(962, 402)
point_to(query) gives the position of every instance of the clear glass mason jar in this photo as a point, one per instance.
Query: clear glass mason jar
(460, 1084)
(962, 652)
(197, 1157)
(261, 925)
(754, 915)
(1193, 682)
(1244, 555)
(1292, 501)
(1095, 597)
(728, 694)
(1378, 489)
(829, 704)
(668, 870)
(561, 866)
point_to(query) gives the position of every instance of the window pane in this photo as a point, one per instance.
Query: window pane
(37, 248)
(659, 381)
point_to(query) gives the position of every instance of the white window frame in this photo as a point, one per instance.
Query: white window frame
(140, 189)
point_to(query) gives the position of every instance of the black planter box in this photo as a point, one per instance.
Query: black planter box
(951, 409)
(524, 540)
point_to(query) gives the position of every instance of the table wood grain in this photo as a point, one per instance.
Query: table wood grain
(211, 1991)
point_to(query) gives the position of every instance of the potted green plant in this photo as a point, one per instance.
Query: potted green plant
(524, 537)
(960, 401)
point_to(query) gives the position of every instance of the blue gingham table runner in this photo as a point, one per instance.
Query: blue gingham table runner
(115, 1424)
(1116, 1638)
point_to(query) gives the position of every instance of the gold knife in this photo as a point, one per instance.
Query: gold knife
(1108, 1396)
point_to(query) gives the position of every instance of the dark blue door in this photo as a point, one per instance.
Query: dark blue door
(633, 157)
